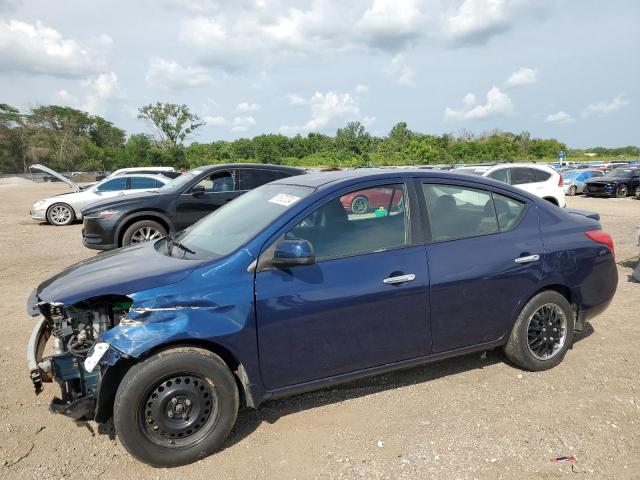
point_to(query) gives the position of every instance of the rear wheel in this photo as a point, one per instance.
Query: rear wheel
(143, 231)
(60, 214)
(622, 191)
(176, 407)
(542, 333)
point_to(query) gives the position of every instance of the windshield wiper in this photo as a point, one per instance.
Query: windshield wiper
(173, 242)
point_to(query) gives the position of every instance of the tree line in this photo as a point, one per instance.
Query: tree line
(67, 139)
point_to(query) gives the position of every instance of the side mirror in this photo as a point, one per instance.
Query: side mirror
(197, 190)
(290, 253)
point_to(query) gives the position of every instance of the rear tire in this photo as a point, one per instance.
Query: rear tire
(143, 231)
(176, 407)
(542, 333)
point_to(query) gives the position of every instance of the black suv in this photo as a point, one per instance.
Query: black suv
(147, 216)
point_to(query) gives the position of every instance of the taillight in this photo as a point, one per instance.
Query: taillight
(560, 181)
(603, 238)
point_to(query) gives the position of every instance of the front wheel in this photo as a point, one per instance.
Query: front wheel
(621, 192)
(572, 191)
(176, 407)
(60, 214)
(143, 231)
(542, 333)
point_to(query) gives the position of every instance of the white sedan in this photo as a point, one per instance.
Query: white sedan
(65, 208)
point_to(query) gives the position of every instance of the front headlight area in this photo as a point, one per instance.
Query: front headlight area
(39, 204)
(74, 334)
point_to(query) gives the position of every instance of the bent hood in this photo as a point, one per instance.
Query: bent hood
(42, 168)
(119, 272)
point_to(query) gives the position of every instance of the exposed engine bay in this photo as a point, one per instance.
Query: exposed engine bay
(72, 332)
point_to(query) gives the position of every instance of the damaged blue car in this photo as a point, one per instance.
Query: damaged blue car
(287, 289)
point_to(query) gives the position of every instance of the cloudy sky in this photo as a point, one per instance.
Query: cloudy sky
(563, 68)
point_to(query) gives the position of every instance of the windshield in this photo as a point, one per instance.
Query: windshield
(179, 182)
(619, 173)
(233, 225)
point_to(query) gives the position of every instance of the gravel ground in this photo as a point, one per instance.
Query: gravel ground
(471, 417)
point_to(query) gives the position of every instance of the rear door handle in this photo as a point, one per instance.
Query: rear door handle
(528, 259)
(409, 277)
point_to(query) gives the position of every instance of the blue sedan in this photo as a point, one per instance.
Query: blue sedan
(284, 290)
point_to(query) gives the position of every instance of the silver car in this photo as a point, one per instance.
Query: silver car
(65, 208)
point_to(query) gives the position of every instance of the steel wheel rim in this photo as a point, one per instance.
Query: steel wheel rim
(359, 205)
(546, 331)
(179, 411)
(60, 214)
(145, 234)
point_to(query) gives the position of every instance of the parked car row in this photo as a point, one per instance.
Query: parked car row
(302, 282)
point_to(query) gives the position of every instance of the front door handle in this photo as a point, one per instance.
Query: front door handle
(409, 277)
(528, 259)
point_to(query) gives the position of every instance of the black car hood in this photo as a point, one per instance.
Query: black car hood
(127, 200)
(119, 272)
(607, 180)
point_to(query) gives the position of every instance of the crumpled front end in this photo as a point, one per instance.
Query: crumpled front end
(64, 348)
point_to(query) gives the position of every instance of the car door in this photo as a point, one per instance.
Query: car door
(207, 194)
(363, 303)
(484, 261)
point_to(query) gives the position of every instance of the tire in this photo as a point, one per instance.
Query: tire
(572, 191)
(60, 214)
(622, 191)
(176, 407)
(525, 350)
(143, 231)
(360, 205)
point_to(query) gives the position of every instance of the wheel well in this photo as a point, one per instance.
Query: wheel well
(561, 289)
(551, 200)
(133, 220)
(110, 382)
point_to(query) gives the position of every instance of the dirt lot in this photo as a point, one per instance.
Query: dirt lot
(471, 417)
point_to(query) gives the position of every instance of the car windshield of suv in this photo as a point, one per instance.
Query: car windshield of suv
(618, 173)
(181, 181)
(233, 225)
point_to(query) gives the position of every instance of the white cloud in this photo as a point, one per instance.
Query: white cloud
(497, 103)
(247, 107)
(39, 49)
(98, 91)
(602, 109)
(215, 120)
(242, 124)
(327, 109)
(170, 75)
(392, 24)
(559, 117)
(400, 72)
(296, 100)
(476, 21)
(522, 76)
(360, 88)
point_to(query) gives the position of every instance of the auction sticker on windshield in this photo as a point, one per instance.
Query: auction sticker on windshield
(284, 199)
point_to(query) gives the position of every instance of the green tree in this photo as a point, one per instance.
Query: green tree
(169, 122)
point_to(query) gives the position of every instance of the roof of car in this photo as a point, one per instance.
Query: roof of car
(156, 176)
(263, 166)
(318, 179)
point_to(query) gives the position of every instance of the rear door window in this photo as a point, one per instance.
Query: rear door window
(142, 183)
(250, 178)
(541, 175)
(459, 212)
(501, 175)
(509, 211)
(521, 176)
